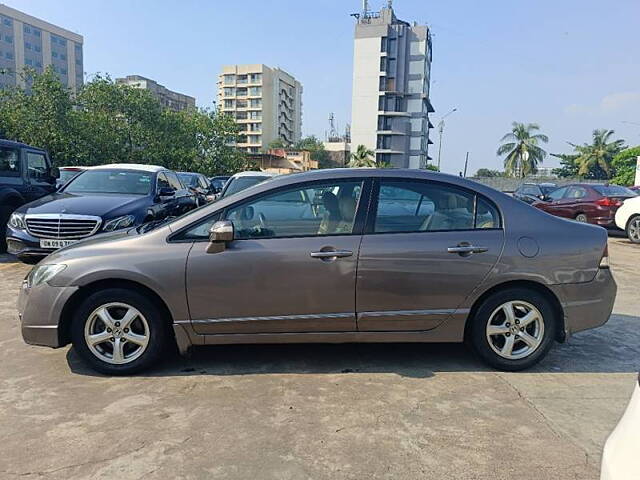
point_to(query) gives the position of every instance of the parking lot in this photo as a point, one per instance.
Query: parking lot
(319, 411)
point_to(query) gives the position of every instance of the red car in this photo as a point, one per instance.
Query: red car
(587, 203)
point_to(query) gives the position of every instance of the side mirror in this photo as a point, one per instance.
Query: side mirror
(220, 234)
(166, 192)
(54, 172)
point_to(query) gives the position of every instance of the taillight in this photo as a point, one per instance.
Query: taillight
(604, 261)
(608, 202)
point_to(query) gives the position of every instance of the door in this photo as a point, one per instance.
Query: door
(426, 246)
(555, 204)
(291, 267)
(575, 201)
(184, 200)
(167, 205)
(41, 182)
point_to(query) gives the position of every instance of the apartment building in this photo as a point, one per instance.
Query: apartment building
(266, 102)
(26, 41)
(391, 78)
(168, 98)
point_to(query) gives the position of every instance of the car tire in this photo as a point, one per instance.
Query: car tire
(582, 218)
(5, 214)
(492, 334)
(633, 229)
(130, 337)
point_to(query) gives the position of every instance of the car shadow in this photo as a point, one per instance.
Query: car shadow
(613, 348)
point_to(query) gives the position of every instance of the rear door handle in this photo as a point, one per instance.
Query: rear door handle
(331, 254)
(466, 249)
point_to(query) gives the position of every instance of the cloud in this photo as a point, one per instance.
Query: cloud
(618, 101)
(610, 103)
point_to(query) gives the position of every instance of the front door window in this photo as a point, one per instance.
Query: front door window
(37, 167)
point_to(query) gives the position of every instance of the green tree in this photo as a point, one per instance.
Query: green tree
(600, 152)
(42, 116)
(362, 157)
(521, 149)
(278, 143)
(485, 172)
(316, 147)
(431, 167)
(113, 123)
(625, 164)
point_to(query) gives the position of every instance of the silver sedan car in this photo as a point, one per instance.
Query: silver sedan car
(347, 255)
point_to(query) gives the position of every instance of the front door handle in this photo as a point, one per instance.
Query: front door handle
(331, 254)
(465, 249)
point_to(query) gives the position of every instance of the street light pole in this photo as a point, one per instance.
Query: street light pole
(440, 131)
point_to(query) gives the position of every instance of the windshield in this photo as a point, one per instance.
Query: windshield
(547, 189)
(614, 191)
(66, 175)
(237, 184)
(111, 181)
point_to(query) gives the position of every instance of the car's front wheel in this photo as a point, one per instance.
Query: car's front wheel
(513, 329)
(633, 229)
(582, 218)
(119, 332)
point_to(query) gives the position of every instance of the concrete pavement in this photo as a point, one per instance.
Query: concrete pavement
(319, 411)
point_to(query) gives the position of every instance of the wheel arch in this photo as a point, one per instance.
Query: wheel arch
(11, 198)
(560, 335)
(66, 317)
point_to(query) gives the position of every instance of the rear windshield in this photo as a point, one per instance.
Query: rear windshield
(238, 184)
(111, 181)
(614, 191)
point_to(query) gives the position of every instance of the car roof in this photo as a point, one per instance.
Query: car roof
(254, 174)
(188, 173)
(131, 166)
(11, 143)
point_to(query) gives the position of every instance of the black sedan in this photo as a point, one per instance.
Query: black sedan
(199, 185)
(534, 192)
(101, 199)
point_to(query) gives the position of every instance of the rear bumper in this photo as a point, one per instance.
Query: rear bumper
(40, 311)
(587, 305)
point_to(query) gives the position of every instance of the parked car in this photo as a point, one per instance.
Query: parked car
(26, 173)
(218, 183)
(628, 218)
(476, 265)
(67, 173)
(199, 185)
(534, 192)
(636, 189)
(620, 459)
(586, 203)
(242, 180)
(100, 199)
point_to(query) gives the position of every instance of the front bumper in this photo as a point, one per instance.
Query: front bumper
(620, 459)
(587, 305)
(40, 311)
(22, 244)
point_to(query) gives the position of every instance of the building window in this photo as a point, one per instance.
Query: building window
(229, 91)
(63, 56)
(242, 92)
(255, 91)
(28, 61)
(384, 142)
(7, 21)
(229, 79)
(37, 48)
(36, 32)
(8, 38)
(54, 54)
(27, 29)
(242, 79)
(384, 123)
(38, 64)
(255, 103)
(383, 64)
(383, 44)
(391, 66)
(63, 71)
(228, 104)
(9, 55)
(255, 115)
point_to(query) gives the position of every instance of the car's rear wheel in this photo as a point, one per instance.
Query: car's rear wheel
(582, 218)
(633, 229)
(119, 332)
(513, 329)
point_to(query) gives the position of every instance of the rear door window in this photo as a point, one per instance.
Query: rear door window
(174, 181)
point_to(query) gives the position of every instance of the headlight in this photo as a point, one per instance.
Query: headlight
(16, 220)
(43, 273)
(118, 223)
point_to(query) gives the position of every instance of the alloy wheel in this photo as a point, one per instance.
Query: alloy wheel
(582, 218)
(634, 229)
(116, 333)
(515, 330)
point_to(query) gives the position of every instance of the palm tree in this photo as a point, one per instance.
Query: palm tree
(521, 149)
(599, 154)
(363, 157)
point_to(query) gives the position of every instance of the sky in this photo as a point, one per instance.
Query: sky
(569, 65)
